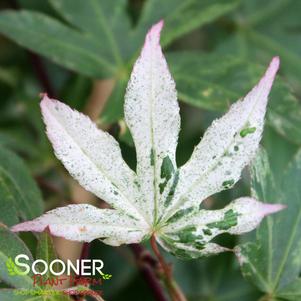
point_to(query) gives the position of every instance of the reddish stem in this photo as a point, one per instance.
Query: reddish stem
(174, 290)
(146, 264)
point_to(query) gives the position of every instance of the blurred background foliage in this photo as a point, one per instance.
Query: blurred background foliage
(82, 52)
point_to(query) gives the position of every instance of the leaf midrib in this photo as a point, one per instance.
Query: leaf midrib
(152, 141)
(123, 194)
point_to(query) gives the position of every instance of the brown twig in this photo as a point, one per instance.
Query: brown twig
(166, 268)
(85, 251)
(146, 264)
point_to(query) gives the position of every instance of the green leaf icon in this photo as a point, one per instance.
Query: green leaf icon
(11, 268)
(106, 276)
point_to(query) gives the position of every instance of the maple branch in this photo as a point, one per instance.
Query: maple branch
(146, 264)
(174, 290)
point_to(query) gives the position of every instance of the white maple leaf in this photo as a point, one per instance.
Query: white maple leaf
(160, 198)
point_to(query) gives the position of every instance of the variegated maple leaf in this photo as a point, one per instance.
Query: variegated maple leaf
(160, 198)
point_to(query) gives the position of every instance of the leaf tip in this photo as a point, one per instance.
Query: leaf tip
(28, 226)
(17, 227)
(156, 28)
(274, 65)
(262, 90)
(45, 102)
(268, 209)
(272, 70)
(153, 35)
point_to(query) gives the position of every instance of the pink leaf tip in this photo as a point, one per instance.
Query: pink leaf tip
(265, 84)
(273, 68)
(153, 35)
(268, 209)
(28, 226)
(275, 62)
(46, 101)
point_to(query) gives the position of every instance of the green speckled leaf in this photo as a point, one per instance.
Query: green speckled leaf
(226, 147)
